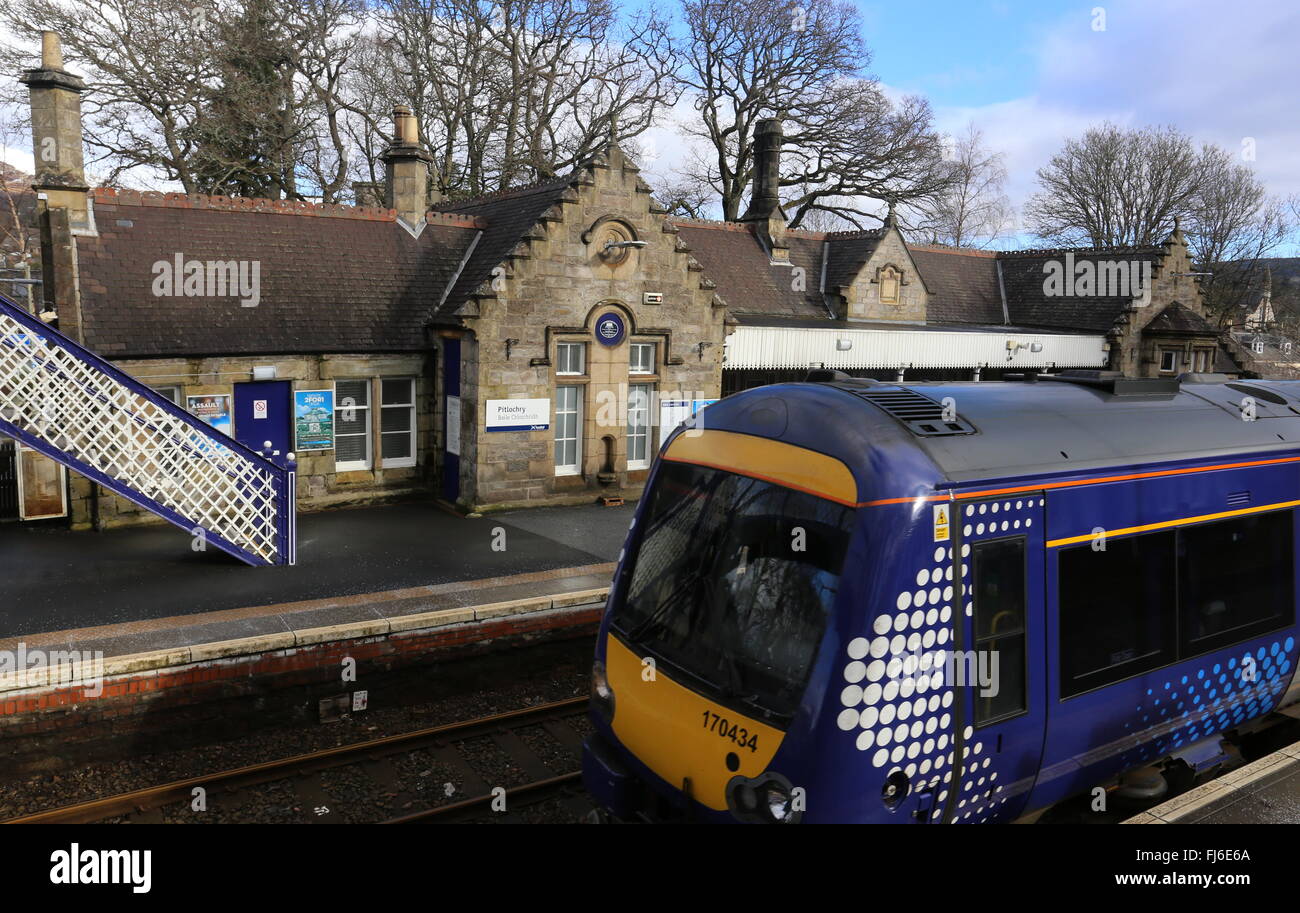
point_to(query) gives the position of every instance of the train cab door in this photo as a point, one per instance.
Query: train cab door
(998, 668)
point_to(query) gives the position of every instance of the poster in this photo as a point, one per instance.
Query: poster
(313, 420)
(518, 414)
(453, 425)
(672, 412)
(213, 408)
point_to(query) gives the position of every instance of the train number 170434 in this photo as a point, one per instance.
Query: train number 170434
(728, 730)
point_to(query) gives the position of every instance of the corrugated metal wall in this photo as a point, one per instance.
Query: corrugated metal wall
(781, 347)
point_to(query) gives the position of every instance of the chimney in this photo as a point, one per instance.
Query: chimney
(765, 210)
(56, 135)
(406, 186)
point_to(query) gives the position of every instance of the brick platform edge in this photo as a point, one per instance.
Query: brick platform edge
(207, 674)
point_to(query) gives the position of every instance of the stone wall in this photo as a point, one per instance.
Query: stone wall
(553, 293)
(864, 295)
(1130, 352)
(319, 484)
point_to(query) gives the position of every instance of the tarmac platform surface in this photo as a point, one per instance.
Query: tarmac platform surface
(56, 580)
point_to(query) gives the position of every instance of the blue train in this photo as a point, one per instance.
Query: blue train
(854, 601)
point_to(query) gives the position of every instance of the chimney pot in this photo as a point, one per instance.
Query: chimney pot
(51, 51)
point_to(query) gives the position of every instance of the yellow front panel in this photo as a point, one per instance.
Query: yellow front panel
(664, 725)
(773, 461)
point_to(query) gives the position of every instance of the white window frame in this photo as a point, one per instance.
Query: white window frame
(632, 361)
(574, 468)
(170, 392)
(1170, 353)
(569, 348)
(398, 462)
(641, 431)
(369, 461)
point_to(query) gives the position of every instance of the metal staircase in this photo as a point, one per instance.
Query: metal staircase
(76, 408)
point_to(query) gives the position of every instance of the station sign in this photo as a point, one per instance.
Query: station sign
(518, 415)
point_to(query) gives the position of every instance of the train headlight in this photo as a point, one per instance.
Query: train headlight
(777, 802)
(768, 799)
(602, 695)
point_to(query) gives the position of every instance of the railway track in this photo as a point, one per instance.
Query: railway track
(449, 745)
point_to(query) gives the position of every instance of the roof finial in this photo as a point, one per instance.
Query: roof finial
(891, 218)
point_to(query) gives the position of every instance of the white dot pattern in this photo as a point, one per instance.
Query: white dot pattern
(895, 699)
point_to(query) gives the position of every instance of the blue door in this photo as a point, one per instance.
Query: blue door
(998, 670)
(263, 413)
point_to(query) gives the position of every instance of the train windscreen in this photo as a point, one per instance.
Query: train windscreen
(733, 583)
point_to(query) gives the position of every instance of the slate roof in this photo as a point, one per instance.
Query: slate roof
(333, 278)
(747, 281)
(1179, 320)
(963, 285)
(1023, 274)
(508, 216)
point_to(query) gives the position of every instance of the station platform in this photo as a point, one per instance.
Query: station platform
(57, 580)
(1266, 791)
(115, 626)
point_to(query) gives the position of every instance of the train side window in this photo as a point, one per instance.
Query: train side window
(1236, 580)
(998, 589)
(1117, 610)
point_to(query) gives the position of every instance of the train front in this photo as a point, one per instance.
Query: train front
(715, 623)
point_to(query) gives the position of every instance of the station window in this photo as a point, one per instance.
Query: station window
(1202, 360)
(351, 425)
(171, 393)
(641, 358)
(568, 425)
(397, 422)
(1235, 580)
(638, 426)
(1117, 610)
(999, 596)
(570, 358)
(1168, 361)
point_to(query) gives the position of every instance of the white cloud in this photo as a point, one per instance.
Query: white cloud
(1220, 73)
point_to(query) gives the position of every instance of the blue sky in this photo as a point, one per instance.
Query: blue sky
(1030, 73)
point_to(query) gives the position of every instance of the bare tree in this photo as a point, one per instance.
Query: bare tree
(1233, 224)
(1116, 187)
(974, 211)
(1119, 187)
(150, 65)
(803, 63)
(516, 90)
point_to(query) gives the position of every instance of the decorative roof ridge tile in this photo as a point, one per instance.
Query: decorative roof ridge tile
(125, 197)
(1152, 250)
(874, 233)
(509, 192)
(717, 224)
(959, 251)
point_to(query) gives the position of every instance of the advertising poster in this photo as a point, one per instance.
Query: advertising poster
(213, 408)
(313, 420)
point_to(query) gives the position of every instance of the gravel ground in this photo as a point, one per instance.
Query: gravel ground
(417, 780)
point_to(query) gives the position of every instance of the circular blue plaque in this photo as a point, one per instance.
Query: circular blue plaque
(610, 329)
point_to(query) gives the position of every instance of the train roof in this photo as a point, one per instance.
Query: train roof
(1078, 420)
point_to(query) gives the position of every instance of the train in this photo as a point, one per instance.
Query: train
(853, 601)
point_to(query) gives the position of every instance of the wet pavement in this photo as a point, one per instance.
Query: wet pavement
(52, 579)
